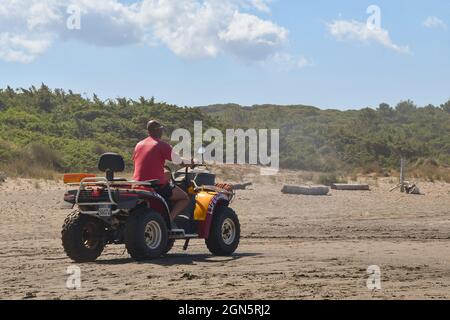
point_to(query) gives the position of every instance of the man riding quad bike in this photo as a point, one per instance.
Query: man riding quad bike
(112, 210)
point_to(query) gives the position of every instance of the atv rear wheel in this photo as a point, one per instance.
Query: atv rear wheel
(83, 237)
(225, 233)
(146, 234)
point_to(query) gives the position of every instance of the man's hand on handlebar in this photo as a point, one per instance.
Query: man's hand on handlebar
(186, 163)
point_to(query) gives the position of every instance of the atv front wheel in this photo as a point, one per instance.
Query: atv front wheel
(225, 233)
(83, 237)
(146, 235)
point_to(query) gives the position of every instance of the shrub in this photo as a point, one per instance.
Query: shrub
(45, 156)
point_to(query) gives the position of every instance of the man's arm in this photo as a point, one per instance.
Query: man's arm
(175, 158)
(178, 160)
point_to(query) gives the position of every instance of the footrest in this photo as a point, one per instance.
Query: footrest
(176, 232)
(180, 234)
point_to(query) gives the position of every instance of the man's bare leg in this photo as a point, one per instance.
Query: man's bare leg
(167, 175)
(180, 201)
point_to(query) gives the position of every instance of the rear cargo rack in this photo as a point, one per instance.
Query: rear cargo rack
(100, 181)
(95, 181)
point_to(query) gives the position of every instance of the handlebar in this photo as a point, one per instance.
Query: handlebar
(191, 165)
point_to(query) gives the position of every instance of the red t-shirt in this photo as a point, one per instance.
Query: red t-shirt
(149, 158)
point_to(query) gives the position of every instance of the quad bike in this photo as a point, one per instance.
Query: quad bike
(117, 211)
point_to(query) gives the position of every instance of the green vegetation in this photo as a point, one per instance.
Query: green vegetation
(43, 131)
(330, 140)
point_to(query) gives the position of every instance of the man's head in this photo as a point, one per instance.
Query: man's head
(155, 129)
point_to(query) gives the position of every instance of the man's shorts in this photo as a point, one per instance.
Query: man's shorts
(166, 191)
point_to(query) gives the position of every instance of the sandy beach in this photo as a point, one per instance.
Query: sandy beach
(292, 247)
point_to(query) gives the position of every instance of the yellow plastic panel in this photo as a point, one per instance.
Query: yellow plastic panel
(202, 200)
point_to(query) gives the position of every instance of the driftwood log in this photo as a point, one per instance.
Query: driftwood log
(350, 187)
(413, 189)
(410, 188)
(306, 190)
(242, 186)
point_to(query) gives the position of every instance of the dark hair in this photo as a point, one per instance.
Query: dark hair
(154, 125)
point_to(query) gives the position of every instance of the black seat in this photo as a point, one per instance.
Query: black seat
(111, 163)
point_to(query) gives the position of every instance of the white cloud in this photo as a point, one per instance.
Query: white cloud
(21, 48)
(361, 32)
(261, 5)
(282, 61)
(189, 28)
(105, 23)
(249, 37)
(434, 22)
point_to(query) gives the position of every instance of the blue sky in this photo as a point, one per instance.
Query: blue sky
(249, 52)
